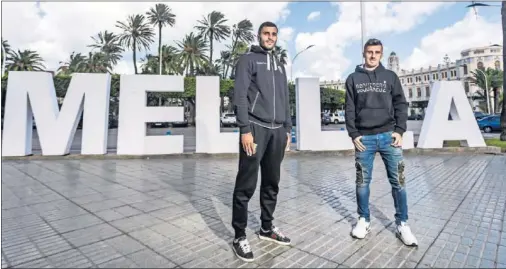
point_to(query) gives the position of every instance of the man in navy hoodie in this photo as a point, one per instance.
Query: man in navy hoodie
(376, 118)
(263, 116)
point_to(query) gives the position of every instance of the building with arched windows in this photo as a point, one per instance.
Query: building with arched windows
(417, 82)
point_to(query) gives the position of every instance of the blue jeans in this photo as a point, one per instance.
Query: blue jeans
(394, 164)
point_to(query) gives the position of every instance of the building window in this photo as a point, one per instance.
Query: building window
(466, 86)
(418, 92)
(427, 91)
(465, 69)
(480, 65)
(402, 81)
(410, 92)
(464, 54)
(479, 51)
(497, 65)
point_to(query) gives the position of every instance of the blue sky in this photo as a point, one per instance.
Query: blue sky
(420, 33)
(401, 43)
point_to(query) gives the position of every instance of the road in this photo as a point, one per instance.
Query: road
(189, 136)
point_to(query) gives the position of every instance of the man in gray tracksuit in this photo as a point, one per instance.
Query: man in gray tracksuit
(263, 115)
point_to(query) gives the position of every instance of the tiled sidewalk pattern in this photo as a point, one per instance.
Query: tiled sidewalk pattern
(177, 213)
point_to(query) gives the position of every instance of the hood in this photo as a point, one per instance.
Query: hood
(268, 55)
(378, 70)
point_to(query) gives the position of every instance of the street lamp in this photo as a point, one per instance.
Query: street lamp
(293, 59)
(474, 5)
(362, 25)
(486, 90)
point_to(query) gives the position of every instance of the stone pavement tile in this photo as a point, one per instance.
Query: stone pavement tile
(71, 259)
(135, 222)
(75, 223)
(456, 211)
(102, 205)
(22, 253)
(91, 234)
(124, 244)
(100, 252)
(121, 262)
(149, 259)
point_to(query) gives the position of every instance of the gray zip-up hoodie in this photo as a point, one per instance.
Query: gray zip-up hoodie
(261, 91)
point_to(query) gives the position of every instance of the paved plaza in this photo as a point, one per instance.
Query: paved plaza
(176, 212)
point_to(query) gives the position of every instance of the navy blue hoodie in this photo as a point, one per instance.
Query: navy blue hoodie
(375, 102)
(261, 91)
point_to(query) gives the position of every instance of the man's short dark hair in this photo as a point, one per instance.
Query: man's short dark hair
(373, 42)
(266, 24)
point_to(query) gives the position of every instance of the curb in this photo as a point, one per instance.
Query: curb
(192, 155)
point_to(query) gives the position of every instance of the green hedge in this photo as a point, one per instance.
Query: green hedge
(61, 84)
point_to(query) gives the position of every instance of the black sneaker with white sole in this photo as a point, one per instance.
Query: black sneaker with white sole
(274, 235)
(242, 249)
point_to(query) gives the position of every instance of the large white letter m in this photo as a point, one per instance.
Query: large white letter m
(32, 95)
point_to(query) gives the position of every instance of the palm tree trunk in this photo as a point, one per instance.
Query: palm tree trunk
(211, 49)
(234, 43)
(134, 56)
(160, 45)
(496, 100)
(503, 113)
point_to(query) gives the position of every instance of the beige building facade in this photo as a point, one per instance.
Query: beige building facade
(417, 82)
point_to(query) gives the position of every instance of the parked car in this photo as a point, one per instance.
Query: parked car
(338, 117)
(158, 124)
(489, 124)
(228, 119)
(326, 120)
(480, 115)
(183, 123)
(415, 117)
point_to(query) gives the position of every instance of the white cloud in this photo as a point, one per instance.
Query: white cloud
(466, 33)
(313, 16)
(67, 26)
(327, 59)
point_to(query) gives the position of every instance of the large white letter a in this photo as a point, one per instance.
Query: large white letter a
(449, 97)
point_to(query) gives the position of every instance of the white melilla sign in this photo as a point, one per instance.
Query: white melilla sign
(32, 95)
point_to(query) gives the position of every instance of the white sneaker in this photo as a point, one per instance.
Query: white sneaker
(361, 229)
(403, 232)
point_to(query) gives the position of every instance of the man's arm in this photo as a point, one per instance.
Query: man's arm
(350, 112)
(400, 107)
(241, 85)
(288, 119)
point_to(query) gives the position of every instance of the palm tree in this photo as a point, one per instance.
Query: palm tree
(6, 50)
(97, 62)
(75, 64)
(213, 27)
(191, 53)
(136, 34)
(161, 16)
(241, 32)
(108, 43)
(240, 49)
(281, 54)
(169, 62)
(494, 81)
(224, 60)
(27, 60)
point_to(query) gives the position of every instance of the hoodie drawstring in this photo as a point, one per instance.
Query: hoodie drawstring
(268, 62)
(269, 55)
